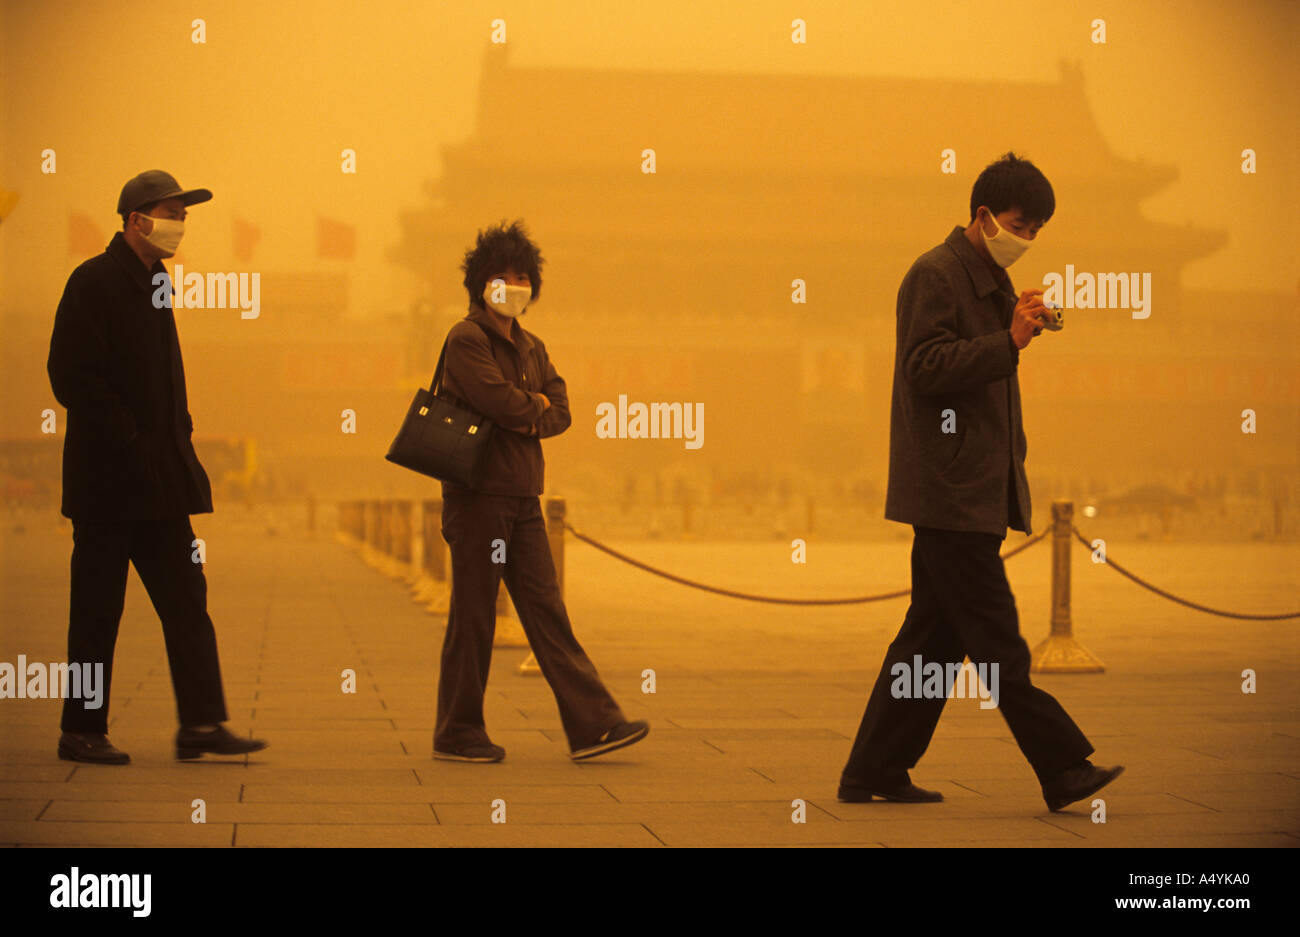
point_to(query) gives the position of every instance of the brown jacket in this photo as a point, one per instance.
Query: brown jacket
(956, 443)
(504, 380)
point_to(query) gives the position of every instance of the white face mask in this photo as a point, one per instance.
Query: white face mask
(1004, 247)
(166, 234)
(505, 299)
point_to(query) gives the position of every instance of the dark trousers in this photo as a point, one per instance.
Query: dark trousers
(471, 522)
(161, 551)
(962, 606)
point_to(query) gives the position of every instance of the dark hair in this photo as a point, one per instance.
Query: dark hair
(498, 249)
(143, 209)
(1012, 182)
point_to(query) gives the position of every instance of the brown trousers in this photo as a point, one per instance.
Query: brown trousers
(471, 522)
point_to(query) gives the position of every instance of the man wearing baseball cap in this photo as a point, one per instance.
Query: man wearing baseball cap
(130, 475)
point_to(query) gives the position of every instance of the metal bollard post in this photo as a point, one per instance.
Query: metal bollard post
(399, 538)
(370, 543)
(435, 548)
(415, 542)
(345, 531)
(401, 530)
(1060, 652)
(509, 631)
(436, 593)
(381, 535)
(555, 511)
(422, 583)
(395, 538)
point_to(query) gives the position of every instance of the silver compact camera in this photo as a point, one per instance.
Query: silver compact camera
(1055, 318)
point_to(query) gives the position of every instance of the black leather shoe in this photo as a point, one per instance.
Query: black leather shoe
(1077, 782)
(481, 753)
(903, 792)
(93, 747)
(191, 744)
(618, 737)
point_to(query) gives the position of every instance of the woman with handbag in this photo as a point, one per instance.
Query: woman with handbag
(494, 526)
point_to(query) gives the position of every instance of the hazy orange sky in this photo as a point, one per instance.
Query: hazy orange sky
(280, 89)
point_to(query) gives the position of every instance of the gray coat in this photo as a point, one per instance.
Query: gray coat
(955, 353)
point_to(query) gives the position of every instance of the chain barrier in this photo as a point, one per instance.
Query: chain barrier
(857, 600)
(368, 524)
(775, 600)
(1173, 598)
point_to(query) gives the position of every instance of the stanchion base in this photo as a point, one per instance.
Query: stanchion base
(440, 604)
(509, 633)
(1060, 653)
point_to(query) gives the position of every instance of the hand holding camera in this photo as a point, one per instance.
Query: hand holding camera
(1032, 315)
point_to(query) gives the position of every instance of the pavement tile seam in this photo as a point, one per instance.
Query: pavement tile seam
(1190, 801)
(1058, 826)
(1199, 773)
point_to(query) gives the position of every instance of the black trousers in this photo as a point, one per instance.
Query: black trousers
(962, 606)
(471, 522)
(161, 551)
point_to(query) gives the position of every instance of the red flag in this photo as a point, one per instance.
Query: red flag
(7, 202)
(247, 235)
(84, 237)
(335, 239)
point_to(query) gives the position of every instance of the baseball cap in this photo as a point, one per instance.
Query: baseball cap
(154, 185)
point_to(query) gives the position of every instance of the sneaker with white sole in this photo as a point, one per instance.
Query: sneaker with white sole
(621, 735)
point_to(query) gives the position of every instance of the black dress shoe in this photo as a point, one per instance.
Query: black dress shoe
(93, 747)
(192, 744)
(1077, 782)
(478, 753)
(903, 792)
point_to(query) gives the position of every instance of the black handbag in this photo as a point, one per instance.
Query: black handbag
(440, 437)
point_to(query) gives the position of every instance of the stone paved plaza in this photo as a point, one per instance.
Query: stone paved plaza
(755, 705)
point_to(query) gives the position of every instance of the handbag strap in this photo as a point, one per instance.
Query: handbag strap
(437, 371)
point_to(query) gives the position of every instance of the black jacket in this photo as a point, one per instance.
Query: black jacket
(504, 380)
(955, 352)
(115, 364)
